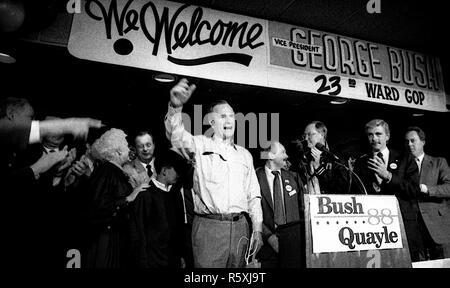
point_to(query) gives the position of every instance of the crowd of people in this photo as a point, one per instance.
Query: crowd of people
(199, 203)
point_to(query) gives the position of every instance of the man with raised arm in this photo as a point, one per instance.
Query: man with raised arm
(226, 188)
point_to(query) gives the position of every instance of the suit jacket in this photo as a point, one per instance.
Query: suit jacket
(404, 182)
(31, 155)
(293, 204)
(136, 165)
(27, 229)
(13, 140)
(294, 208)
(435, 208)
(404, 185)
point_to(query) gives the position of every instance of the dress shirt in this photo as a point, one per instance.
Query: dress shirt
(56, 179)
(419, 161)
(161, 186)
(224, 178)
(35, 135)
(152, 164)
(385, 153)
(50, 150)
(270, 178)
(385, 159)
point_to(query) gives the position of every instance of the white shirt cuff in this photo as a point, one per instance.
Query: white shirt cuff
(35, 135)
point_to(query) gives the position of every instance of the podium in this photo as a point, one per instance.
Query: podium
(362, 258)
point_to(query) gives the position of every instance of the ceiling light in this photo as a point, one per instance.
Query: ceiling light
(165, 78)
(338, 101)
(6, 58)
(417, 114)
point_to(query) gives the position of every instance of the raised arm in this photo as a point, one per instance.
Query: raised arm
(175, 131)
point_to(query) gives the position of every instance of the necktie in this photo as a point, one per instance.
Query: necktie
(377, 183)
(418, 163)
(278, 205)
(149, 170)
(379, 154)
(312, 184)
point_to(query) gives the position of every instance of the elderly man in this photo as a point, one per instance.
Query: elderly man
(225, 185)
(433, 199)
(324, 175)
(282, 203)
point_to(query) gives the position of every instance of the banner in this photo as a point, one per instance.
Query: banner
(194, 41)
(342, 223)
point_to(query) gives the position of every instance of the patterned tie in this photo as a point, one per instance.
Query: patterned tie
(149, 170)
(278, 205)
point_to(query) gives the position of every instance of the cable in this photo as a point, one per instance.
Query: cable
(357, 177)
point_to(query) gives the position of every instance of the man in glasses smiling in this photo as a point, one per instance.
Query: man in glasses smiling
(324, 172)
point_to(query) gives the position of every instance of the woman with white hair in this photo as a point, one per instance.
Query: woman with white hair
(108, 208)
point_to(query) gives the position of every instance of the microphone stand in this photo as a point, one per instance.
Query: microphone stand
(357, 177)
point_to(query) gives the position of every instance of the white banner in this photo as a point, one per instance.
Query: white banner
(194, 41)
(342, 223)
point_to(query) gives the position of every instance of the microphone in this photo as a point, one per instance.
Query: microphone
(326, 152)
(301, 145)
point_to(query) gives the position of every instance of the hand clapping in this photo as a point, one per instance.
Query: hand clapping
(378, 166)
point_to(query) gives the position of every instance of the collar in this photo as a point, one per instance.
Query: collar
(161, 186)
(49, 149)
(421, 157)
(385, 152)
(269, 171)
(226, 143)
(149, 163)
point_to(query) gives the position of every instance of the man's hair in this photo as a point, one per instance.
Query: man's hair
(321, 128)
(142, 133)
(11, 105)
(378, 122)
(169, 159)
(418, 130)
(215, 103)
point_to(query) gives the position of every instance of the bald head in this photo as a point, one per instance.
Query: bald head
(276, 156)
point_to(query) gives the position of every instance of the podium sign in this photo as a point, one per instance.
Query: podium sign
(345, 231)
(352, 222)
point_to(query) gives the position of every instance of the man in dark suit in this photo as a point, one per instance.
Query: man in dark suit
(434, 199)
(18, 130)
(24, 242)
(387, 172)
(282, 204)
(322, 175)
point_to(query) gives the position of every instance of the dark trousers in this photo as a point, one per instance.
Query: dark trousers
(430, 249)
(291, 246)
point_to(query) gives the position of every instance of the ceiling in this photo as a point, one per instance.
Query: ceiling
(58, 83)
